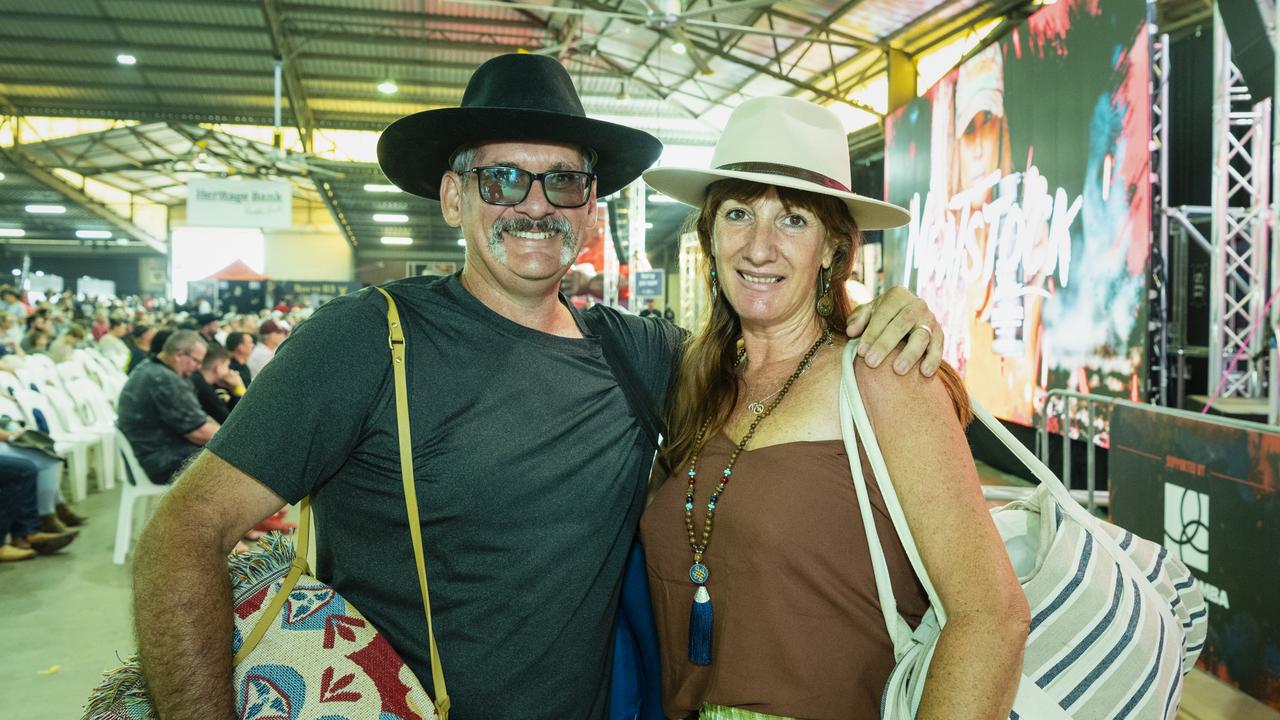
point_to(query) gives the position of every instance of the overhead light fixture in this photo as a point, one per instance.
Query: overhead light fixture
(126, 59)
(388, 87)
(15, 272)
(648, 226)
(462, 242)
(380, 188)
(94, 234)
(12, 232)
(122, 241)
(1, 176)
(679, 48)
(390, 218)
(395, 240)
(659, 199)
(45, 209)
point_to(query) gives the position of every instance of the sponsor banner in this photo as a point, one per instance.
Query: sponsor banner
(221, 202)
(1208, 493)
(651, 283)
(1027, 174)
(311, 293)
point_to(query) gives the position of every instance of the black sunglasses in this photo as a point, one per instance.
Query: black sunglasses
(505, 185)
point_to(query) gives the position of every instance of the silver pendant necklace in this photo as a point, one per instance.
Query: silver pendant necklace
(757, 407)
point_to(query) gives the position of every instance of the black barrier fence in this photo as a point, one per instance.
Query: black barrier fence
(1206, 488)
(987, 449)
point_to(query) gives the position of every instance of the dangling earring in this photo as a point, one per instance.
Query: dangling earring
(715, 282)
(825, 305)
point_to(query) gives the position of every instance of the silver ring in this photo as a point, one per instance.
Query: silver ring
(925, 327)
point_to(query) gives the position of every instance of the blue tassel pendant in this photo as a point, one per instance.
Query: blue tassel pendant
(700, 628)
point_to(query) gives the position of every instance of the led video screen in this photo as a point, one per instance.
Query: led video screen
(1026, 170)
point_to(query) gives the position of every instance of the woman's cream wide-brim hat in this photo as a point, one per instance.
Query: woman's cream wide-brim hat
(785, 142)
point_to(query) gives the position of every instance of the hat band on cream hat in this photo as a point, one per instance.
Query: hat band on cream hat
(784, 142)
(790, 171)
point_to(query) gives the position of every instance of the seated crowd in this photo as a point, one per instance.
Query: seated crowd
(181, 370)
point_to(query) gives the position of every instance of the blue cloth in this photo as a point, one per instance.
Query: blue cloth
(49, 476)
(636, 689)
(18, 514)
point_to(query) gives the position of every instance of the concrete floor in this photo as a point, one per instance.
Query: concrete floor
(66, 619)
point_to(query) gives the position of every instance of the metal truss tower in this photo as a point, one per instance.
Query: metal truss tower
(1241, 224)
(1158, 281)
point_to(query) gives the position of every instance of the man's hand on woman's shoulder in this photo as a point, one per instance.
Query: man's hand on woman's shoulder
(894, 316)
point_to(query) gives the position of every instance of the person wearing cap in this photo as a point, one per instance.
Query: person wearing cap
(270, 335)
(530, 466)
(981, 130)
(771, 611)
(207, 326)
(996, 315)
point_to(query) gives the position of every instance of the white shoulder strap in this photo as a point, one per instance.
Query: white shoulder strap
(854, 422)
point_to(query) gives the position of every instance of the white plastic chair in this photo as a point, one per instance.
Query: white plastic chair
(110, 379)
(10, 407)
(106, 363)
(93, 402)
(28, 376)
(77, 419)
(97, 412)
(70, 370)
(66, 443)
(43, 368)
(9, 382)
(135, 485)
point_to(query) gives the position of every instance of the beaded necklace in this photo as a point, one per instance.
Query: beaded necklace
(700, 614)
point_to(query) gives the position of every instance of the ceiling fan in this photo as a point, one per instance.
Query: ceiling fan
(666, 18)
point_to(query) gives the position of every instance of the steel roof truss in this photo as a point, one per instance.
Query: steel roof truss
(77, 196)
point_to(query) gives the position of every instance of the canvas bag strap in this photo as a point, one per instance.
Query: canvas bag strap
(1070, 507)
(297, 568)
(1042, 473)
(397, 344)
(852, 417)
(1031, 700)
(1045, 476)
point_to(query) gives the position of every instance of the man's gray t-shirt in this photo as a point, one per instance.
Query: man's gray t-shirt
(530, 470)
(157, 408)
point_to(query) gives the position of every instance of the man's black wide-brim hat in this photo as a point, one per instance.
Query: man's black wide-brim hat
(512, 98)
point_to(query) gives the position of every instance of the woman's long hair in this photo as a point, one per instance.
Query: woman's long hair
(708, 380)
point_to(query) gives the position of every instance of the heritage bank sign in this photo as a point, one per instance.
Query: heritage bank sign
(221, 202)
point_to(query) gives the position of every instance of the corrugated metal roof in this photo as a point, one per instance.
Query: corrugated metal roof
(211, 60)
(246, 14)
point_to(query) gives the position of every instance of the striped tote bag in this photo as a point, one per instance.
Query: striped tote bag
(1117, 622)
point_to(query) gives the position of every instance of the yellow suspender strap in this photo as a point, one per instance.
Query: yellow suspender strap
(396, 341)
